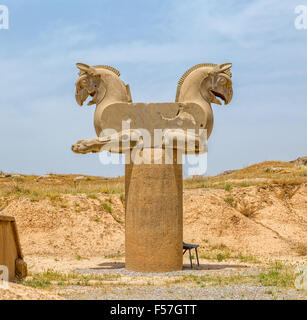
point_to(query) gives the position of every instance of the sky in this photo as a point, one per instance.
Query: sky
(152, 43)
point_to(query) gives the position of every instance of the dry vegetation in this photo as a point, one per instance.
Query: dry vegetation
(53, 186)
(272, 172)
(275, 273)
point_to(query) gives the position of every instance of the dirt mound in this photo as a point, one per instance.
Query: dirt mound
(72, 225)
(266, 221)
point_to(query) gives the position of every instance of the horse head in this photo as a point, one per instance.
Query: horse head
(205, 84)
(95, 81)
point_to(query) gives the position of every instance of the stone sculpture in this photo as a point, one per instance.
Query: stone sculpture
(153, 190)
(197, 88)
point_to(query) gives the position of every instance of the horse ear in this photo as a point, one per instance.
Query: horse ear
(220, 68)
(225, 66)
(83, 67)
(86, 68)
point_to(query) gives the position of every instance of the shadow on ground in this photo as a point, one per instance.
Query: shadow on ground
(109, 266)
(121, 265)
(212, 266)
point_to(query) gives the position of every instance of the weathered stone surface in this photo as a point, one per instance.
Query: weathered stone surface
(302, 161)
(154, 206)
(197, 89)
(10, 248)
(154, 217)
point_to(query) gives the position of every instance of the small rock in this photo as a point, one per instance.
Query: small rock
(15, 175)
(300, 161)
(227, 172)
(44, 176)
(79, 178)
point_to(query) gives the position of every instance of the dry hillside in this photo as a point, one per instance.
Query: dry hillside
(260, 210)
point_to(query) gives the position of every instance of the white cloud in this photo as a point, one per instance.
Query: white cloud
(245, 23)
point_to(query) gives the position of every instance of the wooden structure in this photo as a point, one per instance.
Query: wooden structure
(10, 249)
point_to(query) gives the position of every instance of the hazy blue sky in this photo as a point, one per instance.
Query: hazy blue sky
(152, 43)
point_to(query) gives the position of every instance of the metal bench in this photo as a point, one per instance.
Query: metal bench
(186, 247)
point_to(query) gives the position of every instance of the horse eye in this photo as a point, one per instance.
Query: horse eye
(222, 80)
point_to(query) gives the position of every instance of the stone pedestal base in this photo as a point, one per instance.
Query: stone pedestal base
(10, 249)
(154, 217)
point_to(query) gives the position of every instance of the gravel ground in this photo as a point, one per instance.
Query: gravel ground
(130, 285)
(180, 292)
(174, 292)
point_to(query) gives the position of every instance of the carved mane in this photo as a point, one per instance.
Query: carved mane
(109, 68)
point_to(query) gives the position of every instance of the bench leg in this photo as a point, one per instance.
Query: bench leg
(197, 256)
(191, 258)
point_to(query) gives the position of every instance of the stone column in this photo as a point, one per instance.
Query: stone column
(154, 216)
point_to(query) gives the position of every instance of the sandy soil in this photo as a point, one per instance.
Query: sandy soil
(19, 292)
